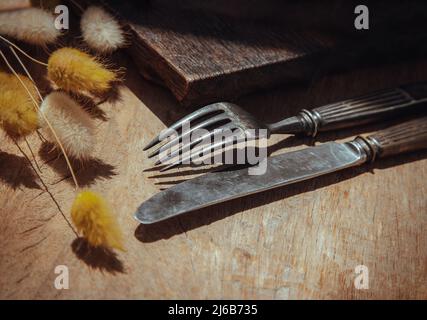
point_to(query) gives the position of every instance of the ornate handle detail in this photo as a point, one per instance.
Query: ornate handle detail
(368, 108)
(405, 137)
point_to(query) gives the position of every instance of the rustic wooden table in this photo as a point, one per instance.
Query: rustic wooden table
(302, 241)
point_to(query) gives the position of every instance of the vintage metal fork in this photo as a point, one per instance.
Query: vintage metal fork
(223, 115)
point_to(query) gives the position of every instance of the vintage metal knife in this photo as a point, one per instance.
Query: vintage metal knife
(284, 169)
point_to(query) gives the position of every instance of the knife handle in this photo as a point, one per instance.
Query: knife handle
(405, 137)
(364, 109)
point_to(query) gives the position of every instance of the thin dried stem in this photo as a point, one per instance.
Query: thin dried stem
(23, 52)
(26, 71)
(45, 186)
(45, 118)
(32, 154)
(41, 137)
(78, 5)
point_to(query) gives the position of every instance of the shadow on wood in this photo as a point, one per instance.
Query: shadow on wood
(16, 172)
(88, 172)
(97, 257)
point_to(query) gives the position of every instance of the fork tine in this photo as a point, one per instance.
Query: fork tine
(192, 116)
(190, 145)
(188, 157)
(208, 122)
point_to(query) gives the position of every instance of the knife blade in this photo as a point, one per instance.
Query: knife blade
(284, 169)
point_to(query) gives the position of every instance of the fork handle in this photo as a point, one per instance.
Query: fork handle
(360, 110)
(405, 137)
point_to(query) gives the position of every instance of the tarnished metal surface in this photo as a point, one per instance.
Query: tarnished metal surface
(352, 112)
(221, 186)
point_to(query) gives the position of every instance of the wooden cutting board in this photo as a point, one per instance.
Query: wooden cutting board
(208, 52)
(302, 241)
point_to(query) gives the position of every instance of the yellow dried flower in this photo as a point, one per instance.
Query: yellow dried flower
(94, 220)
(76, 71)
(18, 115)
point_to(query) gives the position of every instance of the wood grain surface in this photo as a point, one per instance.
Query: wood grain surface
(205, 52)
(202, 57)
(301, 241)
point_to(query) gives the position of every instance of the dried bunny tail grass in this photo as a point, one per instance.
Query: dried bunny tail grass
(18, 117)
(37, 107)
(90, 213)
(73, 70)
(10, 81)
(32, 25)
(101, 31)
(73, 126)
(94, 220)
